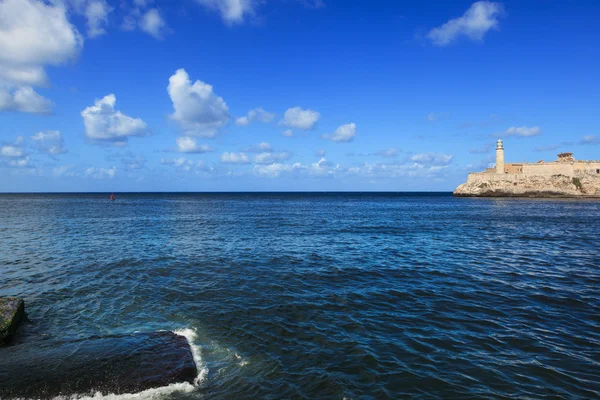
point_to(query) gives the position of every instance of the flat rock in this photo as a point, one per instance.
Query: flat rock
(112, 364)
(11, 312)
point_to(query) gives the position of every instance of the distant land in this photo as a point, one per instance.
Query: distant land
(565, 177)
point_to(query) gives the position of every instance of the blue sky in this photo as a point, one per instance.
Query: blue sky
(243, 95)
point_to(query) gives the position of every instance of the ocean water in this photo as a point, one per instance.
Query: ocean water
(329, 296)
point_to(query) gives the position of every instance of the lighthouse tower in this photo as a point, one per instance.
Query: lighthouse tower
(499, 157)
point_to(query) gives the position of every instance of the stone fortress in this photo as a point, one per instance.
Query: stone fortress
(565, 177)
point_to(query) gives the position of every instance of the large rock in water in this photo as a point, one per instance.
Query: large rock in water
(11, 312)
(113, 364)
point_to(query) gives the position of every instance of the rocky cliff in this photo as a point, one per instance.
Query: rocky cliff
(517, 185)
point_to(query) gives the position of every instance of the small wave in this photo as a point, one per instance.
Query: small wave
(191, 335)
(149, 394)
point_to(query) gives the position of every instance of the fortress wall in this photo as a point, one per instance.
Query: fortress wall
(587, 167)
(513, 168)
(548, 169)
(493, 177)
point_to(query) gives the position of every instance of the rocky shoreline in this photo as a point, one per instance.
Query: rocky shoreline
(515, 185)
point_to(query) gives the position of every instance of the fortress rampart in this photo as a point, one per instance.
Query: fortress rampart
(565, 177)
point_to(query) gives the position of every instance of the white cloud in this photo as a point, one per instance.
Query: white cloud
(64, 170)
(232, 11)
(287, 133)
(19, 162)
(11, 151)
(186, 144)
(343, 134)
(50, 142)
(24, 99)
(301, 119)
(148, 20)
(474, 24)
(198, 110)
(429, 159)
(523, 131)
(101, 173)
(242, 121)
(270, 158)
(96, 13)
(234, 158)
(257, 114)
(390, 152)
(103, 123)
(34, 34)
(259, 148)
(186, 165)
(321, 168)
(153, 23)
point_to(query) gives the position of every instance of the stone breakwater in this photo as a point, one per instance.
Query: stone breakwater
(519, 185)
(119, 364)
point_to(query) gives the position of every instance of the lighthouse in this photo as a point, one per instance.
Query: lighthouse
(499, 157)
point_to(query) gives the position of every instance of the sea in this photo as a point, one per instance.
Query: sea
(321, 295)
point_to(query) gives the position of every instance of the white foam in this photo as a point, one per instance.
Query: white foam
(150, 394)
(191, 335)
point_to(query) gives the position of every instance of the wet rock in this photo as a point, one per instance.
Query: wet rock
(113, 364)
(11, 312)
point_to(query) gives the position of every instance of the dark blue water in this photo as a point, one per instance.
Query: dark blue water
(356, 296)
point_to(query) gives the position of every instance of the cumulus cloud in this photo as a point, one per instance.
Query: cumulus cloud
(105, 124)
(11, 151)
(259, 148)
(64, 170)
(270, 158)
(432, 158)
(33, 34)
(153, 23)
(101, 173)
(234, 158)
(257, 114)
(24, 99)
(49, 142)
(321, 168)
(96, 13)
(287, 133)
(231, 11)
(479, 19)
(301, 119)
(186, 144)
(389, 152)
(197, 109)
(343, 134)
(14, 154)
(183, 164)
(148, 20)
(522, 131)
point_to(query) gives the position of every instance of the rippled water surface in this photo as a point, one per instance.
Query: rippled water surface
(357, 296)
